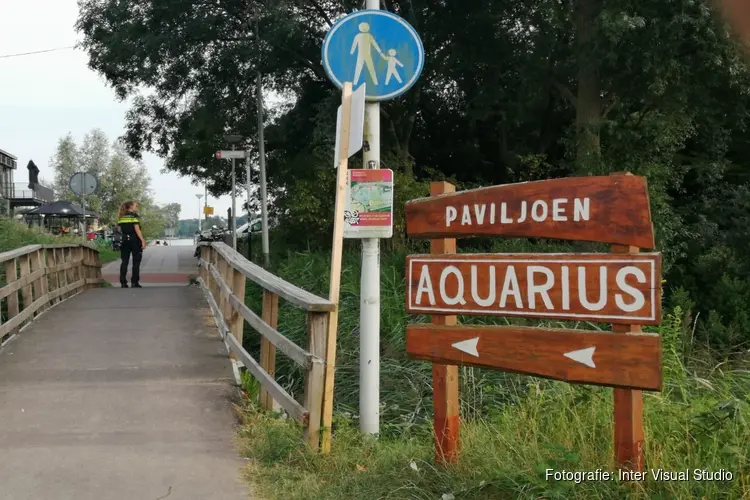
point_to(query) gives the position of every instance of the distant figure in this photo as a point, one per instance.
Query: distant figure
(363, 45)
(392, 63)
(133, 242)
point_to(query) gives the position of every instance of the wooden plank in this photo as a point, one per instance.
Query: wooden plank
(289, 292)
(267, 349)
(11, 277)
(576, 356)
(24, 263)
(27, 314)
(628, 405)
(237, 323)
(445, 401)
(292, 350)
(317, 328)
(19, 283)
(40, 284)
(336, 256)
(607, 209)
(54, 282)
(18, 252)
(593, 287)
(295, 410)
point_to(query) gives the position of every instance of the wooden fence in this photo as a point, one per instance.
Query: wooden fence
(39, 276)
(222, 276)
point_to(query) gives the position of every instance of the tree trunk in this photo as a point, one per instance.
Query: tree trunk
(589, 106)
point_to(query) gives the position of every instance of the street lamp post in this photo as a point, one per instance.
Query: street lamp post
(234, 139)
(199, 196)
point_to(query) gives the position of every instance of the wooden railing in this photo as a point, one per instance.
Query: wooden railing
(222, 276)
(39, 276)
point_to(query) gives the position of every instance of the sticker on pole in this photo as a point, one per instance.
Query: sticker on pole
(369, 204)
(375, 47)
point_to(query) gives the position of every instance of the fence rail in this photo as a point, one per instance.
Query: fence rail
(43, 275)
(223, 274)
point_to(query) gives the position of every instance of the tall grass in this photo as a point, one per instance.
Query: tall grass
(513, 427)
(16, 235)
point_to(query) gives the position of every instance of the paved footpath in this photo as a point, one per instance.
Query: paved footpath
(170, 265)
(119, 395)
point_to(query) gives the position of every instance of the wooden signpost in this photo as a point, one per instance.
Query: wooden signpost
(622, 288)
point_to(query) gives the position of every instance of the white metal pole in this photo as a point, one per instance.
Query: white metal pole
(263, 197)
(369, 300)
(199, 196)
(233, 222)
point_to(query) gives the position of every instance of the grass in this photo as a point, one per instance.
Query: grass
(15, 235)
(513, 427)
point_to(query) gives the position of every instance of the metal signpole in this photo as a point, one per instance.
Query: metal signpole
(385, 31)
(263, 196)
(249, 212)
(262, 152)
(199, 196)
(233, 222)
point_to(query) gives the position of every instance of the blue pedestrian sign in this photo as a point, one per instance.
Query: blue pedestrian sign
(374, 47)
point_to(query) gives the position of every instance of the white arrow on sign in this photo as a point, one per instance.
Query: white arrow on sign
(468, 346)
(583, 356)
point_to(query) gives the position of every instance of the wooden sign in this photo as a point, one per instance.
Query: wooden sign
(613, 288)
(622, 288)
(610, 209)
(600, 358)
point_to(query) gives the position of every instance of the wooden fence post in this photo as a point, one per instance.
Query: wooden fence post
(69, 273)
(237, 283)
(628, 407)
(26, 292)
(445, 377)
(317, 333)
(270, 315)
(54, 281)
(11, 275)
(40, 284)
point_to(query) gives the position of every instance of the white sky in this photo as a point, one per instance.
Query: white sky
(45, 96)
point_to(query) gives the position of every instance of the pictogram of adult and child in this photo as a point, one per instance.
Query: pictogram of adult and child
(363, 44)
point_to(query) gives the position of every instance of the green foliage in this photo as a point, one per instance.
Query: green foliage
(120, 180)
(656, 88)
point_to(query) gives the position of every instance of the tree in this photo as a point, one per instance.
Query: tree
(65, 164)
(516, 91)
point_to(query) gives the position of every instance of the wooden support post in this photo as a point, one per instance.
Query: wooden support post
(237, 283)
(26, 293)
(336, 255)
(11, 275)
(54, 279)
(270, 315)
(445, 377)
(628, 407)
(69, 273)
(317, 329)
(40, 284)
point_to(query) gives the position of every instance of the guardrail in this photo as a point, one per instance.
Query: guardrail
(223, 274)
(43, 276)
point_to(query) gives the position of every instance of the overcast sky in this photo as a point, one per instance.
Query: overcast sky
(45, 96)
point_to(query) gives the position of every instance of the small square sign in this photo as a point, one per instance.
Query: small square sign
(369, 204)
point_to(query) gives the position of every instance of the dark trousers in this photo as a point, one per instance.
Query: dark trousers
(130, 245)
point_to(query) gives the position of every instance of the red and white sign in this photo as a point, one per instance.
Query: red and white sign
(369, 204)
(608, 288)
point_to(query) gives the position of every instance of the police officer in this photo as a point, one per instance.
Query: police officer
(133, 243)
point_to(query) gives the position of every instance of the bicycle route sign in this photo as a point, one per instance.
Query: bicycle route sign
(375, 47)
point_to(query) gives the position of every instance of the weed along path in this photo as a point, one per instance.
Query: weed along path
(119, 394)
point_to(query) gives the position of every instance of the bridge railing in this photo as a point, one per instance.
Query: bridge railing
(37, 277)
(222, 276)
